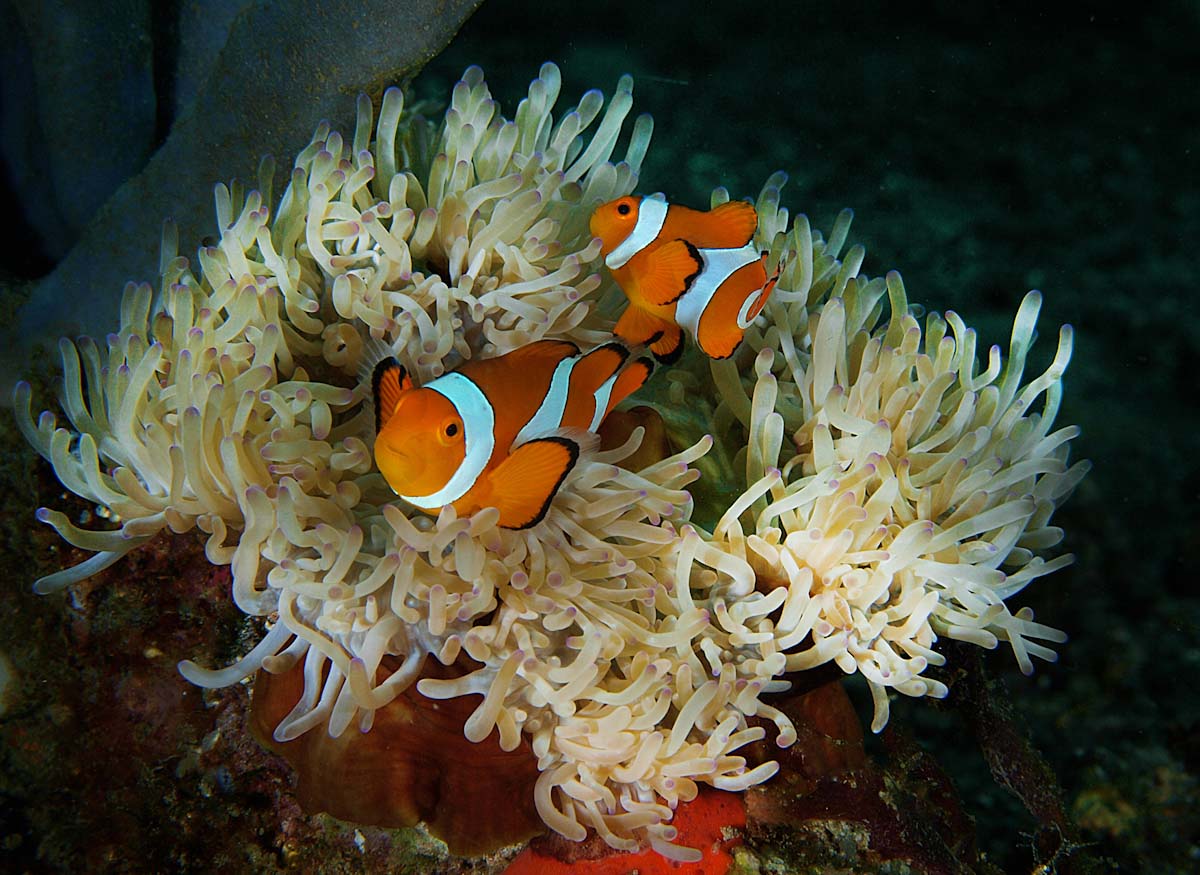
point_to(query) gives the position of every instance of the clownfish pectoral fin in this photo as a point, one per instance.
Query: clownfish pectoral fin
(524, 484)
(637, 326)
(388, 382)
(669, 347)
(665, 273)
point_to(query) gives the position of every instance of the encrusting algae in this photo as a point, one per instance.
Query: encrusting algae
(894, 492)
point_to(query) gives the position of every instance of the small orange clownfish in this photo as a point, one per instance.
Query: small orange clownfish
(501, 432)
(683, 270)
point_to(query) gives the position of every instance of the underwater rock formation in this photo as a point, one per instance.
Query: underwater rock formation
(277, 71)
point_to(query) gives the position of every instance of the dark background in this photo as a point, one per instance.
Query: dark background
(986, 150)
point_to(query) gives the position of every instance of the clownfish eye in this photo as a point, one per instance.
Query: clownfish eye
(623, 209)
(452, 429)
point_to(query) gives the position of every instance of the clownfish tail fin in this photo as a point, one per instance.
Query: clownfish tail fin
(774, 278)
(754, 304)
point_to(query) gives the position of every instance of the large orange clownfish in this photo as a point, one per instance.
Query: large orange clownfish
(501, 432)
(683, 270)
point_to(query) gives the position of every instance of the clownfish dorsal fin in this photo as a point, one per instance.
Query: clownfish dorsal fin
(599, 364)
(632, 377)
(554, 350)
(593, 380)
(524, 484)
(389, 382)
(732, 225)
(666, 273)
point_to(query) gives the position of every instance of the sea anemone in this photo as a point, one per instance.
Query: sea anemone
(619, 639)
(895, 491)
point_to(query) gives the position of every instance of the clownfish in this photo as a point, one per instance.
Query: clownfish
(683, 270)
(501, 432)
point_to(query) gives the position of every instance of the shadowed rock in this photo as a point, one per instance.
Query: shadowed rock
(279, 73)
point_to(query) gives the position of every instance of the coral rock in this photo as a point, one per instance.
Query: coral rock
(414, 765)
(709, 822)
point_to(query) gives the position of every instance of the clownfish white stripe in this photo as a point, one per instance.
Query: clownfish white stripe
(651, 215)
(550, 413)
(719, 265)
(602, 395)
(479, 437)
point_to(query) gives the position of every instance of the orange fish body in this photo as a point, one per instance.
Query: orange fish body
(683, 270)
(497, 432)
